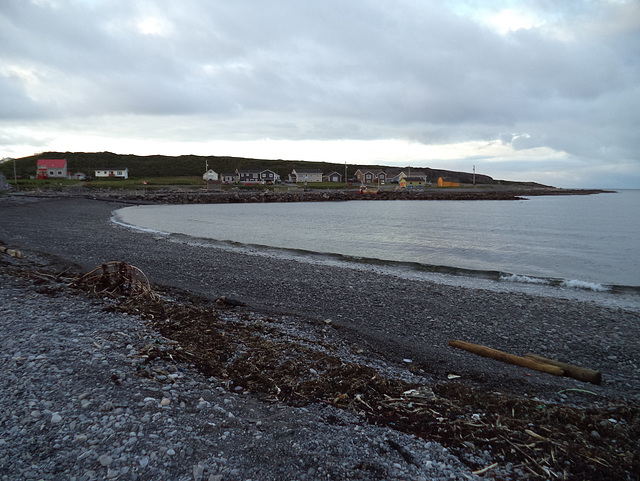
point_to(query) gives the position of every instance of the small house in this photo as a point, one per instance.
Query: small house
(79, 176)
(210, 175)
(413, 182)
(305, 175)
(333, 177)
(448, 182)
(52, 169)
(269, 176)
(112, 173)
(395, 175)
(248, 176)
(366, 176)
(229, 177)
(4, 185)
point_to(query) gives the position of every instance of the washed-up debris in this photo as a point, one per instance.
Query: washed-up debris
(542, 440)
(116, 279)
(532, 361)
(225, 301)
(11, 252)
(506, 357)
(575, 372)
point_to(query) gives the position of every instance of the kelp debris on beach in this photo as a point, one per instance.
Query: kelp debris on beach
(254, 354)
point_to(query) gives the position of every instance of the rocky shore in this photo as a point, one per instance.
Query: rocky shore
(104, 387)
(173, 195)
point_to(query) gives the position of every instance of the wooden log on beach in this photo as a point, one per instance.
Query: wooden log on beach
(575, 372)
(508, 358)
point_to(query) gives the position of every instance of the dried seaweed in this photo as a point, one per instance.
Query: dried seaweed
(547, 441)
(115, 279)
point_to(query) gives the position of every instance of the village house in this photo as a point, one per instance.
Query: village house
(52, 169)
(210, 176)
(371, 176)
(257, 176)
(229, 177)
(305, 175)
(448, 182)
(332, 177)
(394, 176)
(411, 182)
(112, 173)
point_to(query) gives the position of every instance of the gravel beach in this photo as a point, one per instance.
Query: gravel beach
(73, 409)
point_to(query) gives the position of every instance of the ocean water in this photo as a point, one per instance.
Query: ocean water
(557, 245)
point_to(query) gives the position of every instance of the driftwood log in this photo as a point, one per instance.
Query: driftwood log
(508, 358)
(533, 361)
(575, 372)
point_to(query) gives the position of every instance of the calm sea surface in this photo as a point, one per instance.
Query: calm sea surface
(580, 243)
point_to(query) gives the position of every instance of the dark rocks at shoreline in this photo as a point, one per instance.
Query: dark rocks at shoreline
(190, 196)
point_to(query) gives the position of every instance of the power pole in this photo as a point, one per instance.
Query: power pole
(345, 173)
(474, 175)
(15, 177)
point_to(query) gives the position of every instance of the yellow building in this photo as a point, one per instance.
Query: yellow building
(445, 182)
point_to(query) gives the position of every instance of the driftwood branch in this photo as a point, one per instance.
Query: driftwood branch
(575, 372)
(533, 361)
(508, 358)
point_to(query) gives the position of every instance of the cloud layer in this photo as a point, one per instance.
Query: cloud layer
(532, 90)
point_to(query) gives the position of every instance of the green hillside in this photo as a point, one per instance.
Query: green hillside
(193, 165)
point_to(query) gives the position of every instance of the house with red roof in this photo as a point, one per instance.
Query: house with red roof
(52, 169)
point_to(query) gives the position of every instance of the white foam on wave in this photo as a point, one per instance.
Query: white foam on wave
(591, 286)
(117, 221)
(524, 279)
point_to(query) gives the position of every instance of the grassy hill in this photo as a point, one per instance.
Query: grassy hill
(194, 165)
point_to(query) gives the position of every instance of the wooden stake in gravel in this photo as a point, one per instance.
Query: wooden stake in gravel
(508, 358)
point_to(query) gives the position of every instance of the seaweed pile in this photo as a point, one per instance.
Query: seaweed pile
(252, 353)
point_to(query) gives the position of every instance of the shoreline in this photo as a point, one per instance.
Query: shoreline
(391, 313)
(389, 318)
(175, 195)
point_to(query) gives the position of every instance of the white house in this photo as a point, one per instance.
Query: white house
(305, 175)
(115, 173)
(210, 175)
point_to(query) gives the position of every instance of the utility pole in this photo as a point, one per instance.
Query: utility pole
(474, 175)
(15, 177)
(345, 174)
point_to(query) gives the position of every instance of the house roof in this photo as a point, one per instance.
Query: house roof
(111, 168)
(52, 163)
(307, 171)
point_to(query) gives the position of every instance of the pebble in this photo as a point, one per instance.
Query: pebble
(81, 345)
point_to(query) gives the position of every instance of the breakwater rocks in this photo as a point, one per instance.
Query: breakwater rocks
(184, 196)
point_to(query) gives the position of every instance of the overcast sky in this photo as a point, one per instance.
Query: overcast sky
(539, 90)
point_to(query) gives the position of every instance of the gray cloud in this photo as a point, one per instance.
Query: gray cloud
(332, 70)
